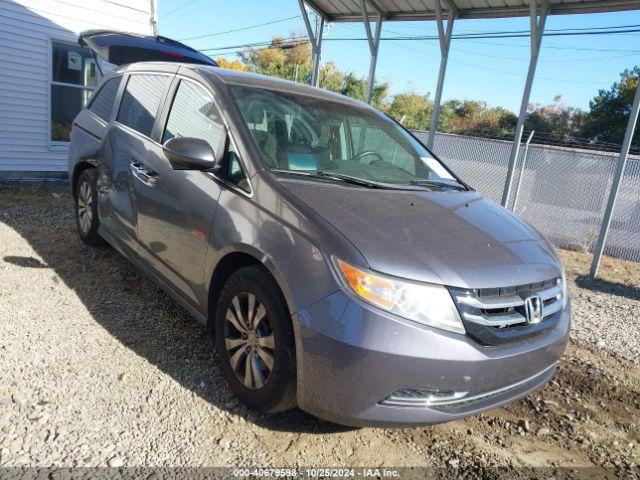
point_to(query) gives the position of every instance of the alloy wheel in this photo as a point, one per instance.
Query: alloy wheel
(85, 203)
(248, 338)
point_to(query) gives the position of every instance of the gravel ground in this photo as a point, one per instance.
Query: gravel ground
(99, 367)
(606, 312)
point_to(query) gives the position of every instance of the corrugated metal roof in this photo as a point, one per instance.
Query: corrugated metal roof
(350, 10)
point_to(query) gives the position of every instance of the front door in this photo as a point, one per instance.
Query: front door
(176, 210)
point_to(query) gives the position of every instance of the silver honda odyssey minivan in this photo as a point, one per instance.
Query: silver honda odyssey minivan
(340, 265)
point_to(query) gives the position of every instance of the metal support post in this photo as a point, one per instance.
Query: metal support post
(615, 186)
(317, 56)
(316, 42)
(374, 44)
(154, 17)
(445, 42)
(537, 30)
(524, 164)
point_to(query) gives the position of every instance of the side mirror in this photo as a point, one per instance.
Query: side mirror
(186, 153)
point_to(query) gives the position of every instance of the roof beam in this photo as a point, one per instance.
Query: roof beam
(314, 6)
(377, 7)
(489, 12)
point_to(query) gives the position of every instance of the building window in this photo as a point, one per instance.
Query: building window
(73, 78)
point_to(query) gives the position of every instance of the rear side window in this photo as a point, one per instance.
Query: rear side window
(141, 100)
(102, 103)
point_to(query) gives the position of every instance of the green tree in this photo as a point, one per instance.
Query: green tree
(231, 64)
(476, 118)
(411, 109)
(293, 62)
(552, 123)
(331, 77)
(298, 58)
(271, 60)
(356, 87)
(609, 111)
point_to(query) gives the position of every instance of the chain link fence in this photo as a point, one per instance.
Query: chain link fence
(563, 191)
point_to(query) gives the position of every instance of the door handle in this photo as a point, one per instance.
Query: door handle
(144, 174)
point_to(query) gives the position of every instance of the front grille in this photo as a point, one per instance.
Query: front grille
(498, 315)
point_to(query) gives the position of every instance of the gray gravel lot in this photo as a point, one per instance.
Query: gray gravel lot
(99, 367)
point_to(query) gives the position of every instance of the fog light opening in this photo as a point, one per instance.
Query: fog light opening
(418, 397)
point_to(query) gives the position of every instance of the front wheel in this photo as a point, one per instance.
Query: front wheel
(86, 199)
(254, 340)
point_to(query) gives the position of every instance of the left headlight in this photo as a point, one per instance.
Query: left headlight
(424, 303)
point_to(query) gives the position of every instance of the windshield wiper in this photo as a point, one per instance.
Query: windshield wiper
(361, 182)
(352, 180)
(439, 184)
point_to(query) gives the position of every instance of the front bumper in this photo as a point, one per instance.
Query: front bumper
(352, 356)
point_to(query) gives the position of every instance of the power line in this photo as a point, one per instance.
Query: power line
(294, 42)
(268, 43)
(554, 47)
(493, 35)
(398, 25)
(528, 45)
(455, 48)
(627, 53)
(241, 28)
(511, 74)
(483, 32)
(186, 4)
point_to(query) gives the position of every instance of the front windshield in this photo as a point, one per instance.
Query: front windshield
(306, 135)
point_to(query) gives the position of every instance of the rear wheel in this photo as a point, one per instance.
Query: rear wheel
(86, 197)
(254, 340)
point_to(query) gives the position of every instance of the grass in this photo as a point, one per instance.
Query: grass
(32, 194)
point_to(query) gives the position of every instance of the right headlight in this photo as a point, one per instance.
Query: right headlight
(424, 303)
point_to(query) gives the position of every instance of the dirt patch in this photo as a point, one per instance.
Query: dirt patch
(99, 367)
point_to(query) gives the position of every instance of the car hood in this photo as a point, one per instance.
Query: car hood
(448, 237)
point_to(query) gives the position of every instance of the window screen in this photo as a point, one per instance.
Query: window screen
(141, 100)
(102, 103)
(193, 114)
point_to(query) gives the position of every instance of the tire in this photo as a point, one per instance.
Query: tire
(86, 203)
(265, 389)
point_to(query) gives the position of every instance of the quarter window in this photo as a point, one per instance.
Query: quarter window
(141, 100)
(234, 173)
(194, 114)
(102, 103)
(73, 78)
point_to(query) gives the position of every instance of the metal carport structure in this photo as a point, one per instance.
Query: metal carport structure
(445, 12)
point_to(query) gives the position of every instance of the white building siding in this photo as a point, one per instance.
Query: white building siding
(27, 28)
